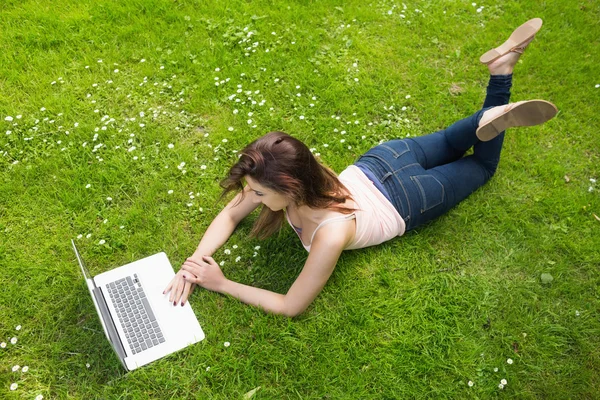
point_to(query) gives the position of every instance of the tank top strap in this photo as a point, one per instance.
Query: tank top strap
(330, 220)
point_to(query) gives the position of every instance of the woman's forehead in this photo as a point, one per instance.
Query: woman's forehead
(254, 185)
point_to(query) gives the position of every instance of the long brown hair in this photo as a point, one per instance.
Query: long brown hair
(286, 165)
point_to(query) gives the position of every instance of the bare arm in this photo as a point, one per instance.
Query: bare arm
(326, 248)
(224, 224)
(215, 236)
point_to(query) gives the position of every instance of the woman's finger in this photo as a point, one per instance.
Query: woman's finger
(180, 288)
(169, 286)
(193, 261)
(186, 292)
(173, 288)
(194, 269)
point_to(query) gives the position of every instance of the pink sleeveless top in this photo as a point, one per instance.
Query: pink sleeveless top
(376, 218)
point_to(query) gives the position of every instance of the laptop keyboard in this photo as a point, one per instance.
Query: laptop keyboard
(135, 314)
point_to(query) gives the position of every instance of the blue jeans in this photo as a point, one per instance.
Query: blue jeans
(426, 176)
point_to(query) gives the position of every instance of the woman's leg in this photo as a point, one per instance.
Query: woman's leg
(450, 144)
(420, 194)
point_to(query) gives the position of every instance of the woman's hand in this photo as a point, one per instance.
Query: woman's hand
(204, 272)
(180, 288)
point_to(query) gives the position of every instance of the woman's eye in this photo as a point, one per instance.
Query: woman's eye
(259, 194)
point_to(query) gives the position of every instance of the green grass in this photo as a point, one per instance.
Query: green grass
(417, 317)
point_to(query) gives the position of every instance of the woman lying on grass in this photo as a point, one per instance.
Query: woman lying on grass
(393, 188)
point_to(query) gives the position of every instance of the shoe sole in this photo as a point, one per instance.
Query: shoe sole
(519, 36)
(529, 113)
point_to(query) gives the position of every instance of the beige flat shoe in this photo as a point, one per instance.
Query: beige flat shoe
(517, 41)
(522, 113)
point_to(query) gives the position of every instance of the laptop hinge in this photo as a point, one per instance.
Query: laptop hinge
(114, 338)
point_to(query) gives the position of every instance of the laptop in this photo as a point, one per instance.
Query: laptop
(140, 323)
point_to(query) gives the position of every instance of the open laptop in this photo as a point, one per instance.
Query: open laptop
(138, 320)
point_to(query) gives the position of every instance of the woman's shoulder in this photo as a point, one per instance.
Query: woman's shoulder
(318, 215)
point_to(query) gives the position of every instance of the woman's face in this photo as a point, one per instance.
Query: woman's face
(266, 196)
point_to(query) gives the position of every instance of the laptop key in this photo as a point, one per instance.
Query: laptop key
(148, 309)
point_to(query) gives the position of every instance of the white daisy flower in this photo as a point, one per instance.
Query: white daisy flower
(503, 381)
(102, 241)
(9, 118)
(207, 369)
(18, 327)
(500, 386)
(13, 340)
(509, 361)
(25, 368)
(226, 344)
(495, 369)
(227, 251)
(407, 96)
(15, 368)
(470, 383)
(3, 345)
(14, 386)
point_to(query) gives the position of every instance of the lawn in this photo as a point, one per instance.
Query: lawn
(118, 119)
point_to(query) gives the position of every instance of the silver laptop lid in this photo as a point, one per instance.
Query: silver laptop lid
(102, 310)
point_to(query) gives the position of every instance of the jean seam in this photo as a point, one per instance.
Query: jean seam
(424, 195)
(394, 152)
(390, 168)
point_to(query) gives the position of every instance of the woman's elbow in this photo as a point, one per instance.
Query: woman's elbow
(291, 310)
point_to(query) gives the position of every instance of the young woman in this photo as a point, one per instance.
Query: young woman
(391, 189)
